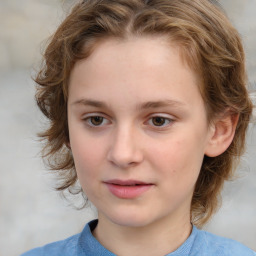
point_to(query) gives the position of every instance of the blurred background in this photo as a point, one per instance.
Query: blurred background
(31, 212)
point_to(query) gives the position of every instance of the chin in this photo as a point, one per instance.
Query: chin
(135, 220)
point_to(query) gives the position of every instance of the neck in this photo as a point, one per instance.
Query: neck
(159, 238)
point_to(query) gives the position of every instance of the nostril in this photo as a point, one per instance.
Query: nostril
(124, 151)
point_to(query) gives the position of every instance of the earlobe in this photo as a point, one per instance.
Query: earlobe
(222, 134)
(67, 144)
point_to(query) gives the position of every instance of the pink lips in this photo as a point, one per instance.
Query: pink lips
(127, 189)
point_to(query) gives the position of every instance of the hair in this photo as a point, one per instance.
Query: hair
(211, 46)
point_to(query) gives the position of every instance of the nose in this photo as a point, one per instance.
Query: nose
(125, 150)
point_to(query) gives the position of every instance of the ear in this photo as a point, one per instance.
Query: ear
(67, 144)
(67, 139)
(222, 132)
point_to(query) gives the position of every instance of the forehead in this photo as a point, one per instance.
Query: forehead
(137, 68)
(152, 49)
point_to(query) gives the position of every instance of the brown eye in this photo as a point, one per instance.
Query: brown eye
(159, 121)
(96, 120)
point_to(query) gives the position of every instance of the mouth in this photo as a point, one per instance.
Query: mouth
(127, 182)
(127, 189)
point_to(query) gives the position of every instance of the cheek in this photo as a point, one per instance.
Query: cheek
(87, 161)
(86, 157)
(179, 160)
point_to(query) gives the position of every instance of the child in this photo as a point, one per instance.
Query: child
(148, 109)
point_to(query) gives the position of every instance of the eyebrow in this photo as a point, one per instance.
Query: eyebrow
(89, 102)
(161, 103)
(142, 106)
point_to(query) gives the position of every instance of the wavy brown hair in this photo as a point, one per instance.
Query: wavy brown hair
(211, 46)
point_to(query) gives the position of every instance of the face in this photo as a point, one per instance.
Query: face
(138, 130)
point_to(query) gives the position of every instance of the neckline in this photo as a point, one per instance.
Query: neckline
(89, 245)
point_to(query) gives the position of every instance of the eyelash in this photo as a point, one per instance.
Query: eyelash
(88, 120)
(167, 121)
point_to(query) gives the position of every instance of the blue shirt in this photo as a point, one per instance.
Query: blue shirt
(199, 243)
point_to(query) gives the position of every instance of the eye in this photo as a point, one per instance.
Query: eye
(160, 121)
(96, 120)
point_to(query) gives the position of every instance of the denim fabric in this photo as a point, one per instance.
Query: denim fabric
(199, 243)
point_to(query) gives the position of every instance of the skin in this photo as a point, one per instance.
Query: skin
(135, 112)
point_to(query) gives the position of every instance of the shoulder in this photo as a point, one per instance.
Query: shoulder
(213, 245)
(65, 247)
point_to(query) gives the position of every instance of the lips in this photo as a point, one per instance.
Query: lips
(127, 189)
